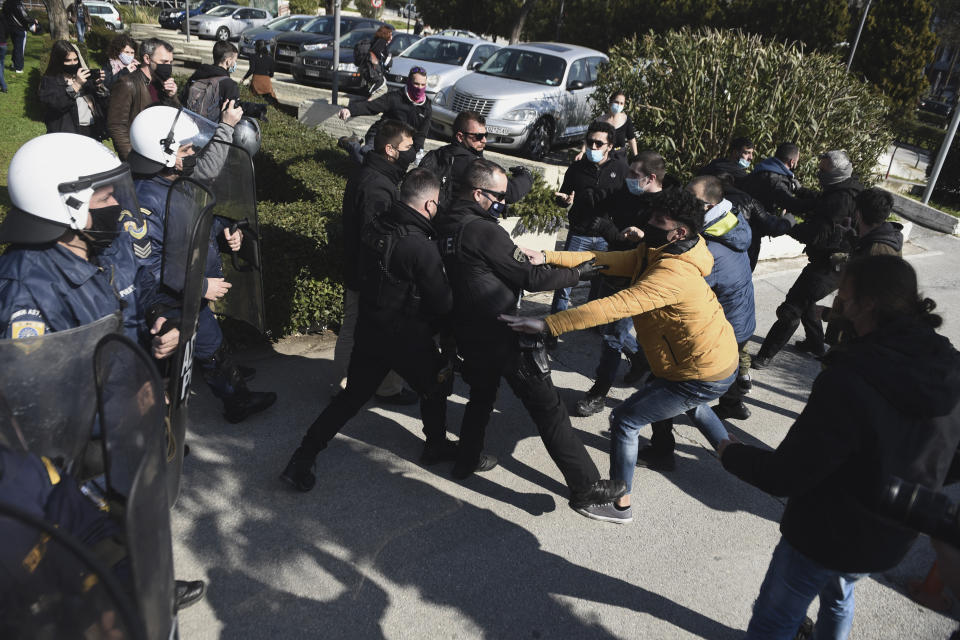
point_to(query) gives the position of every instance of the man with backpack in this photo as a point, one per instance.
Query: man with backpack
(211, 85)
(404, 300)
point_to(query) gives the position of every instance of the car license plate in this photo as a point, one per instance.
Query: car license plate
(288, 52)
(313, 73)
(500, 131)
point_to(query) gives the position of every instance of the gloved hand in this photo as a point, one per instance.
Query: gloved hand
(590, 269)
(520, 170)
(789, 217)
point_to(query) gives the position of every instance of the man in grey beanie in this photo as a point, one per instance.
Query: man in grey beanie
(826, 231)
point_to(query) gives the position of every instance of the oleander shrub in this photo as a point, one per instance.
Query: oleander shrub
(690, 93)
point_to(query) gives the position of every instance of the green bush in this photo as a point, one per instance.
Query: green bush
(690, 93)
(919, 134)
(138, 13)
(538, 212)
(309, 7)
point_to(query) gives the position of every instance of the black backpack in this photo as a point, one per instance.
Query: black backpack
(379, 239)
(361, 52)
(203, 97)
(440, 164)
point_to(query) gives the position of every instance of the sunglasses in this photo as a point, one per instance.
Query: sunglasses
(594, 143)
(475, 136)
(418, 70)
(496, 195)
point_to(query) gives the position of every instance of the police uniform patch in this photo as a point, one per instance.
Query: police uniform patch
(142, 248)
(27, 329)
(145, 211)
(519, 255)
(136, 232)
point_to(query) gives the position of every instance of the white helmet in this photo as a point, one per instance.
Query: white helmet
(157, 133)
(51, 180)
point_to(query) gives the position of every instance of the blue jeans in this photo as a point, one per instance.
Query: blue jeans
(19, 42)
(81, 30)
(561, 299)
(791, 583)
(616, 339)
(3, 59)
(658, 400)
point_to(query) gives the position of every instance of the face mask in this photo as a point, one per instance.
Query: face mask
(232, 68)
(104, 227)
(655, 236)
(616, 108)
(126, 58)
(498, 209)
(594, 155)
(163, 72)
(633, 184)
(416, 93)
(71, 69)
(189, 164)
(743, 162)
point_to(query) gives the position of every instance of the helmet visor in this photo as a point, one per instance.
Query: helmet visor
(189, 128)
(109, 189)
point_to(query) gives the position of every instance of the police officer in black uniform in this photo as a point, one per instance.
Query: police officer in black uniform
(487, 272)
(404, 299)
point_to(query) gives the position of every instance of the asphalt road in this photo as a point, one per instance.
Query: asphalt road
(385, 548)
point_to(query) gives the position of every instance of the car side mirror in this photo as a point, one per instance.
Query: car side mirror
(476, 65)
(576, 84)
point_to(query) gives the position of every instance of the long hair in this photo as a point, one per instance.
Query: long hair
(383, 33)
(261, 48)
(57, 55)
(891, 284)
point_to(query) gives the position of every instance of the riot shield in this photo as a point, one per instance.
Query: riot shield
(236, 191)
(53, 588)
(186, 239)
(48, 390)
(131, 404)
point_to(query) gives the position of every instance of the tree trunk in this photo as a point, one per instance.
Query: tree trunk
(58, 19)
(329, 9)
(521, 19)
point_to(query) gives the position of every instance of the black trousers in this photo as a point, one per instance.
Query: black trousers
(816, 281)
(484, 363)
(417, 360)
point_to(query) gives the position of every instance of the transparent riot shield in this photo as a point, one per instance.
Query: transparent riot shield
(47, 386)
(186, 239)
(236, 192)
(53, 588)
(132, 415)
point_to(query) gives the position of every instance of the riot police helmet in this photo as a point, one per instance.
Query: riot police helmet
(247, 135)
(158, 133)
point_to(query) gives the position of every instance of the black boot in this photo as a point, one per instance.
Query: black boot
(594, 400)
(731, 410)
(299, 471)
(187, 593)
(241, 406)
(226, 381)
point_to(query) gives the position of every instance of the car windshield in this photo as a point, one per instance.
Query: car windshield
(354, 37)
(221, 11)
(284, 24)
(323, 26)
(440, 50)
(528, 66)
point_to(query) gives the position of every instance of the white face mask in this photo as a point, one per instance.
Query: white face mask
(616, 108)
(126, 58)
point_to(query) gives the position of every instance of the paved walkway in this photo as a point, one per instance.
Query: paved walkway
(385, 548)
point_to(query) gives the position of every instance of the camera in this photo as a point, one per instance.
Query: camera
(253, 109)
(921, 509)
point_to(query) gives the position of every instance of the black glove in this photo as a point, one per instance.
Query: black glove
(519, 171)
(590, 269)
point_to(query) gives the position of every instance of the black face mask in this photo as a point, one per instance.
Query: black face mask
(163, 72)
(189, 164)
(104, 228)
(71, 69)
(498, 209)
(655, 236)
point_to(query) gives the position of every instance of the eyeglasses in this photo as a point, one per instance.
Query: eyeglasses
(476, 136)
(594, 143)
(496, 195)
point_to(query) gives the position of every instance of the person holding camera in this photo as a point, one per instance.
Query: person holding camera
(72, 95)
(887, 404)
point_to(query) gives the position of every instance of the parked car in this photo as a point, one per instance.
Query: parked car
(106, 12)
(172, 18)
(316, 67)
(446, 59)
(930, 105)
(409, 11)
(270, 31)
(460, 33)
(534, 95)
(317, 34)
(227, 21)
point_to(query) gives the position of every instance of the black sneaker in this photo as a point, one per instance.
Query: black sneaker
(187, 593)
(608, 512)
(738, 411)
(299, 471)
(484, 464)
(440, 451)
(745, 383)
(656, 459)
(600, 492)
(805, 346)
(805, 631)
(403, 398)
(760, 362)
(240, 407)
(589, 405)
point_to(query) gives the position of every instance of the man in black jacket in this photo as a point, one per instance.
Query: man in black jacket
(887, 404)
(404, 298)
(370, 191)
(487, 273)
(774, 185)
(450, 162)
(736, 162)
(587, 184)
(408, 104)
(825, 232)
(217, 76)
(18, 22)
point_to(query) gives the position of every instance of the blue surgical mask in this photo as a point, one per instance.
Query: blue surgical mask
(743, 162)
(232, 68)
(594, 155)
(633, 184)
(615, 107)
(126, 58)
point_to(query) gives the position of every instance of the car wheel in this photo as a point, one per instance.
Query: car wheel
(223, 34)
(538, 141)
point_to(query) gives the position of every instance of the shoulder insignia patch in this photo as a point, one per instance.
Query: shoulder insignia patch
(145, 211)
(142, 249)
(136, 231)
(519, 255)
(27, 329)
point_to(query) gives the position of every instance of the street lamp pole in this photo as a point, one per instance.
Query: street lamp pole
(856, 40)
(334, 99)
(944, 150)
